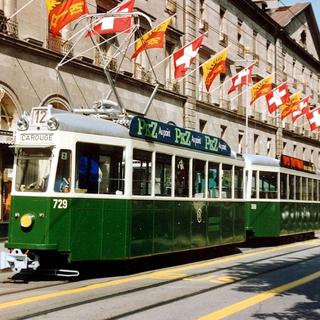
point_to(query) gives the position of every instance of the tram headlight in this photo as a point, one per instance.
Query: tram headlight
(23, 124)
(52, 124)
(26, 220)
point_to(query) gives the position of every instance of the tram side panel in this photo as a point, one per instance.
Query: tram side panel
(99, 230)
(275, 219)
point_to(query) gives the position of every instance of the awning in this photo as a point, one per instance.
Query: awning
(6, 137)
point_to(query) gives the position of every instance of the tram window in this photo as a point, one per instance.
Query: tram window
(100, 169)
(198, 171)
(254, 185)
(310, 189)
(182, 177)
(291, 187)
(33, 169)
(298, 188)
(163, 175)
(213, 180)
(283, 186)
(238, 182)
(304, 188)
(226, 181)
(141, 180)
(268, 185)
(63, 173)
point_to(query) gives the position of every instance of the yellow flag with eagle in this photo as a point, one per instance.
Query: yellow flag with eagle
(62, 12)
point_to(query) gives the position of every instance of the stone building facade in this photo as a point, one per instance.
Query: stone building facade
(284, 42)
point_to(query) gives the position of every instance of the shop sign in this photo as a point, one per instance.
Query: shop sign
(6, 137)
(297, 164)
(166, 133)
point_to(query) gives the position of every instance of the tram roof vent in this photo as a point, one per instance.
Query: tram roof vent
(103, 108)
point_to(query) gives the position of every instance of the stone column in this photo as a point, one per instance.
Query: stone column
(10, 7)
(1, 5)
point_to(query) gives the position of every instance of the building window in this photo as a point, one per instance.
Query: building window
(202, 125)
(222, 131)
(256, 143)
(284, 146)
(294, 150)
(203, 25)
(269, 140)
(303, 38)
(223, 37)
(240, 141)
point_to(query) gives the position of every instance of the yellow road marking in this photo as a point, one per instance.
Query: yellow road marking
(244, 304)
(153, 275)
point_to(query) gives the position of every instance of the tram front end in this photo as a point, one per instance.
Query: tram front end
(39, 225)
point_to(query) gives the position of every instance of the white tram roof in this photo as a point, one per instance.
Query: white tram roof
(258, 160)
(75, 122)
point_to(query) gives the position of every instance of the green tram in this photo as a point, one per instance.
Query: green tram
(89, 189)
(282, 196)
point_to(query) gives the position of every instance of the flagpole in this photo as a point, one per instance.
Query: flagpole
(18, 11)
(247, 114)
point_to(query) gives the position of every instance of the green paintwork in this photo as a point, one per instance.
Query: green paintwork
(273, 219)
(109, 229)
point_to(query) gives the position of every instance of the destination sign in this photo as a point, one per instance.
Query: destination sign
(166, 133)
(297, 164)
(35, 138)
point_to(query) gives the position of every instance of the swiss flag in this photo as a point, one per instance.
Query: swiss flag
(303, 109)
(314, 118)
(108, 25)
(277, 97)
(242, 78)
(183, 58)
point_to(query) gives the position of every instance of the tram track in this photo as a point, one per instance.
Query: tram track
(275, 267)
(61, 283)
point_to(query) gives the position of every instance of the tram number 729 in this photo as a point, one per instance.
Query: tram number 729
(60, 203)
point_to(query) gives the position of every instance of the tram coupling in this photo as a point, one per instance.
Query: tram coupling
(18, 261)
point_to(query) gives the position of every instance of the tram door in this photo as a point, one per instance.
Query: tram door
(199, 210)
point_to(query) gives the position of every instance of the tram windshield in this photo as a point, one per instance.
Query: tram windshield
(33, 169)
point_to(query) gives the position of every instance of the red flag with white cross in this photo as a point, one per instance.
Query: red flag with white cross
(277, 97)
(108, 25)
(303, 109)
(244, 77)
(314, 118)
(183, 58)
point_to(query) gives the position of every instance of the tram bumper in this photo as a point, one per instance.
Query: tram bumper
(17, 261)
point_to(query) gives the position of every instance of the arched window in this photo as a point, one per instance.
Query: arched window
(57, 101)
(8, 111)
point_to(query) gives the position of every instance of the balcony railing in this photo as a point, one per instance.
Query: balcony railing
(172, 85)
(102, 59)
(8, 27)
(59, 45)
(223, 39)
(241, 50)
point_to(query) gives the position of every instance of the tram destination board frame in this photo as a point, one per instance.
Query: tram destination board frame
(166, 133)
